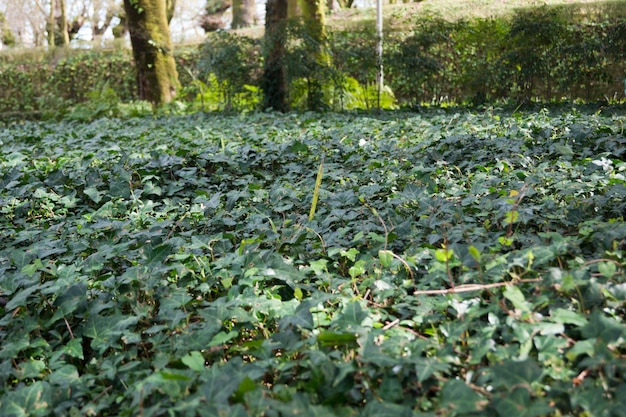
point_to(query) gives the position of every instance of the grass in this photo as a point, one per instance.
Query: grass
(397, 14)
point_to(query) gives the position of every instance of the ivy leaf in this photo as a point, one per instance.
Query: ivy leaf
(65, 376)
(513, 373)
(101, 330)
(461, 399)
(27, 401)
(155, 255)
(519, 403)
(93, 193)
(601, 327)
(563, 316)
(426, 367)
(352, 316)
(607, 269)
(194, 360)
(516, 297)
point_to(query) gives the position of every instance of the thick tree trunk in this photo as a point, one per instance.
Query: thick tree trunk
(157, 78)
(51, 25)
(64, 27)
(275, 78)
(293, 8)
(170, 7)
(243, 13)
(313, 12)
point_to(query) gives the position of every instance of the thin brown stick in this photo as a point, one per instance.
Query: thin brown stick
(474, 287)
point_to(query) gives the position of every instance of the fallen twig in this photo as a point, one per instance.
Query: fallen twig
(474, 287)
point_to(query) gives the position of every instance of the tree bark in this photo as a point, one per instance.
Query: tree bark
(170, 8)
(51, 25)
(293, 9)
(274, 81)
(313, 12)
(243, 13)
(157, 78)
(64, 27)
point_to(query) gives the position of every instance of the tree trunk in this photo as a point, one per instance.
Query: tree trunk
(292, 8)
(51, 25)
(243, 13)
(274, 82)
(313, 12)
(64, 29)
(157, 78)
(170, 7)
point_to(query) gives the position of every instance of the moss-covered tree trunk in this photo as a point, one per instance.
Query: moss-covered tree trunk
(313, 13)
(170, 8)
(293, 9)
(157, 78)
(51, 25)
(243, 13)
(65, 34)
(274, 82)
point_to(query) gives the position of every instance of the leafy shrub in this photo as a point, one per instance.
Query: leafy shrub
(235, 63)
(76, 76)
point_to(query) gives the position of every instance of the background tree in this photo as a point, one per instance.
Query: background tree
(316, 58)
(243, 13)
(293, 9)
(6, 35)
(212, 19)
(157, 77)
(274, 83)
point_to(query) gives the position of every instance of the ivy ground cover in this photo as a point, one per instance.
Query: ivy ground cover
(435, 264)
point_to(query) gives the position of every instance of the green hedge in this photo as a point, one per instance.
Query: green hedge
(547, 54)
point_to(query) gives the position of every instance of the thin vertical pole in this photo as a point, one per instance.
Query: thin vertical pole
(379, 48)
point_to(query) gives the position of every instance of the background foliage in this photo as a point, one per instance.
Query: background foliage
(548, 54)
(169, 265)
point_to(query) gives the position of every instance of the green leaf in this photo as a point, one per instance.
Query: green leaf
(94, 194)
(74, 348)
(350, 254)
(357, 269)
(27, 401)
(427, 367)
(519, 403)
(156, 254)
(65, 376)
(582, 347)
(475, 253)
(561, 315)
(328, 338)
(513, 373)
(101, 330)
(352, 316)
(247, 385)
(385, 257)
(607, 269)
(511, 216)
(194, 360)
(516, 297)
(461, 399)
(444, 255)
(222, 338)
(604, 328)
